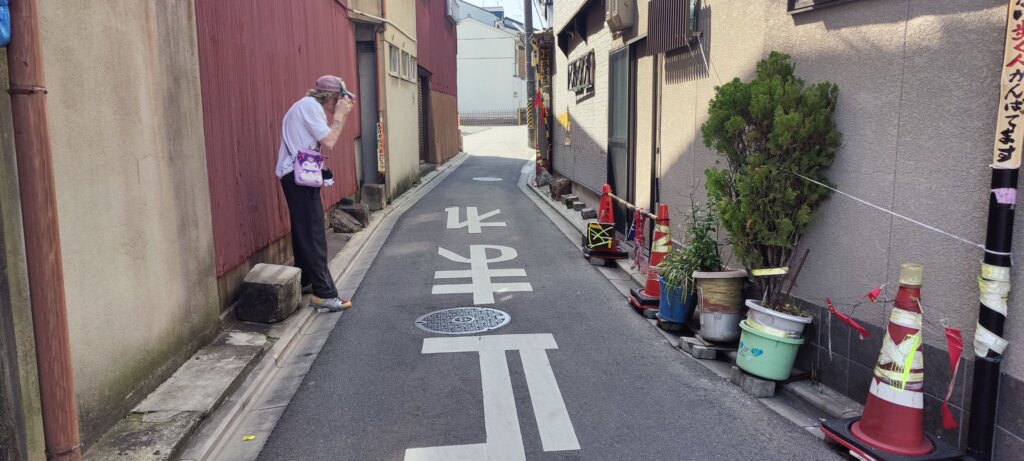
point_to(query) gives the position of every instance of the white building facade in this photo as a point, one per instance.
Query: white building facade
(492, 85)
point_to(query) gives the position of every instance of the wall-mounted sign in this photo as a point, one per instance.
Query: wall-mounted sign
(581, 73)
(1007, 152)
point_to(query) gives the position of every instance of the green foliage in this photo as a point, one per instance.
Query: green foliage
(768, 129)
(701, 252)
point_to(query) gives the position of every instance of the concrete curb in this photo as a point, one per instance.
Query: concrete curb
(211, 437)
(816, 396)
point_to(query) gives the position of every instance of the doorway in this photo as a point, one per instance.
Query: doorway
(621, 157)
(368, 110)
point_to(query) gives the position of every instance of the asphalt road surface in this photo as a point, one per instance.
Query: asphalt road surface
(574, 375)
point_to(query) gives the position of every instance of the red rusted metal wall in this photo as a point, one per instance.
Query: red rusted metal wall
(436, 42)
(256, 58)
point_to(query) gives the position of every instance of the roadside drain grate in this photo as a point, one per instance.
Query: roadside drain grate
(463, 320)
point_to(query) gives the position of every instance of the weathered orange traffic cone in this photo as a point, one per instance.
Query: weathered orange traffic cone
(893, 423)
(649, 296)
(599, 243)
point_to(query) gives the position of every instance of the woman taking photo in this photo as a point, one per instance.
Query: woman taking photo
(305, 127)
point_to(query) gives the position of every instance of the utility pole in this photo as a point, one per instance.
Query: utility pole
(994, 282)
(531, 77)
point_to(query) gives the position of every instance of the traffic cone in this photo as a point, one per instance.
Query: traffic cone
(599, 242)
(892, 426)
(649, 296)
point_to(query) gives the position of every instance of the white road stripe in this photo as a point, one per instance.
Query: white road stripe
(553, 423)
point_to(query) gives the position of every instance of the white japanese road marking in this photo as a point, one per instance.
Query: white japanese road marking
(481, 286)
(474, 221)
(501, 420)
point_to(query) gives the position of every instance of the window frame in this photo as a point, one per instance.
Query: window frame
(394, 60)
(802, 6)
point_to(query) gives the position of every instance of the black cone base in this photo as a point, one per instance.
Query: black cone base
(838, 431)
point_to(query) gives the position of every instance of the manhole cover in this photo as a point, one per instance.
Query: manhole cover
(463, 320)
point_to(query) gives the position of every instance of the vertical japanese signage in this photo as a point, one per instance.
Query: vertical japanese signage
(1007, 151)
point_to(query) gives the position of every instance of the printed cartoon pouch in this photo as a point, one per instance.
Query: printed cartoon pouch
(309, 168)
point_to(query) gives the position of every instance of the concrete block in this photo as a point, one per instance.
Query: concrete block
(374, 197)
(270, 293)
(360, 211)
(757, 387)
(569, 199)
(559, 187)
(697, 348)
(344, 222)
(578, 206)
(588, 213)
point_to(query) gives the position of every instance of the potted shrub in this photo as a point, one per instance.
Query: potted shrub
(773, 132)
(699, 254)
(719, 291)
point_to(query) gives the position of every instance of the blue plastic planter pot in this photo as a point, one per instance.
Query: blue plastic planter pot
(672, 308)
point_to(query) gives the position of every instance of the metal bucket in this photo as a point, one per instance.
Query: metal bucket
(720, 303)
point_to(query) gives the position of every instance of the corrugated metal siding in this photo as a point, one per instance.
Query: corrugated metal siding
(666, 25)
(256, 58)
(436, 38)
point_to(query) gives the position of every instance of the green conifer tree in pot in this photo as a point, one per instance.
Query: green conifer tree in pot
(770, 131)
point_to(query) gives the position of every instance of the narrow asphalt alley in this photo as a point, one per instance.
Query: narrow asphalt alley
(574, 374)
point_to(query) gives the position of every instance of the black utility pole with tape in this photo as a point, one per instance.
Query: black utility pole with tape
(994, 282)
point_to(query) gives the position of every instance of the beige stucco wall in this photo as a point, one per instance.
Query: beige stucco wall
(400, 107)
(371, 7)
(918, 88)
(132, 195)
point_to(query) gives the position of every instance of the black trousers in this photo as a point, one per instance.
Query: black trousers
(309, 236)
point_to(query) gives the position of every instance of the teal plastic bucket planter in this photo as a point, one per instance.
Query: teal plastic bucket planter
(765, 355)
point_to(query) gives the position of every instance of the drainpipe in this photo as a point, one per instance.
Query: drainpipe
(531, 78)
(994, 282)
(42, 235)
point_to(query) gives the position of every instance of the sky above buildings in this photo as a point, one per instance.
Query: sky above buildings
(513, 9)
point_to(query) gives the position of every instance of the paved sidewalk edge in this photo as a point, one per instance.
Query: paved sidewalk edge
(223, 419)
(571, 224)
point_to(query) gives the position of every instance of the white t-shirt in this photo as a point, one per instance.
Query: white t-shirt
(304, 125)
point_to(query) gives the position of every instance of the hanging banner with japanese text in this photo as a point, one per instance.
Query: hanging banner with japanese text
(1007, 151)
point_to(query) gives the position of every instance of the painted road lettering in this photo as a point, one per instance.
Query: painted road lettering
(474, 221)
(480, 272)
(501, 420)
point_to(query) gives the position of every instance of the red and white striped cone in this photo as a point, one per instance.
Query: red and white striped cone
(894, 412)
(892, 426)
(649, 296)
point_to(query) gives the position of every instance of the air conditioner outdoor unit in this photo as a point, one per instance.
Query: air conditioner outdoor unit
(620, 14)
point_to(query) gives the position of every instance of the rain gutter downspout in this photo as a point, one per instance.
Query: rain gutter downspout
(42, 234)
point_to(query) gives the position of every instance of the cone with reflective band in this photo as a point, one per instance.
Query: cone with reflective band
(894, 412)
(650, 295)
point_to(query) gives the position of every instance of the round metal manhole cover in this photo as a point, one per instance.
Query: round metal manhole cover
(463, 320)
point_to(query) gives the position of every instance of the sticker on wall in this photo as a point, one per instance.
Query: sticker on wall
(563, 119)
